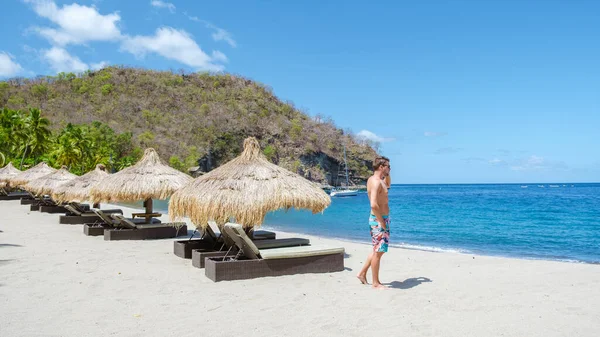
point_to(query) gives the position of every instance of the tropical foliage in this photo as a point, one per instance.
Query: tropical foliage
(26, 139)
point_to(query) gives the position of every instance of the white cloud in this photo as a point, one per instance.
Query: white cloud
(61, 61)
(99, 65)
(176, 45)
(368, 135)
(162, 4)
(8, 67)
(218, 56)
(496, 162)
(434, 134)
(537, 163)
(219, 34)
(77, 24)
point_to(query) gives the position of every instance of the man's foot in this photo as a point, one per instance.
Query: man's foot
(362, 279)
(379, 286)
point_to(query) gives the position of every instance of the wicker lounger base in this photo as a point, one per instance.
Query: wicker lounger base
(184, 248)
(53, 209)
(27, 201)
(92, 229)
(11, 197)
(77, 219)
(161, 232)
(218, 270)
(34, 207)
(199, 256)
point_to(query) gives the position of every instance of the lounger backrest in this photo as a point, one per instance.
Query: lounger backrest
(77, 206)
(227, 239)
(107, 219)
(123, 221)
(72, 210)
(237, 234)
(210, 232)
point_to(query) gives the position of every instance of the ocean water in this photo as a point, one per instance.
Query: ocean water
(554, 222)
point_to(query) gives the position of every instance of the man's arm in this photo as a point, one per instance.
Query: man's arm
(374, 187)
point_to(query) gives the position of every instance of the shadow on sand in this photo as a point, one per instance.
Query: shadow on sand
(408, 283)
(9, 245)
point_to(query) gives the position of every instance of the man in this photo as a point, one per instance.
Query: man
(379, 221)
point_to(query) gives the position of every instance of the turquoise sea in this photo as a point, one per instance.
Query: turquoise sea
(558, 221)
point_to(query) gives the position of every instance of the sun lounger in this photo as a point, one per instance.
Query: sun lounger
(104, 220)
(74, 215)
(50, 206)
(252, 262)
(127, 229)
(13, 195)
(210, 241)
(228, 245)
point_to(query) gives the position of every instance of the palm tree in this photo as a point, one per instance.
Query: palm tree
(10, 122)
(36, 134)
(66, 150)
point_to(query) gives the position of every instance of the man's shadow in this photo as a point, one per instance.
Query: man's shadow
(408, 283)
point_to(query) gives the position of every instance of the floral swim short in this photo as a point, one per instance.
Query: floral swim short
(379, 236)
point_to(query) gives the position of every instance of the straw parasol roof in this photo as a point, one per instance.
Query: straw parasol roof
(48, 183)
(246, 188)
(8, 172)
(80, 187)
(150, 178)
(35, 172)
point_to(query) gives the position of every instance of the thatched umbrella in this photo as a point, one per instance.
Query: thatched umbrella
(48, 183)
(35, 172)
(80, 187)
(246, 188)
(150, 178)
(6, 173)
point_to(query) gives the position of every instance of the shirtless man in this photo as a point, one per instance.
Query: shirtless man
(379, 221)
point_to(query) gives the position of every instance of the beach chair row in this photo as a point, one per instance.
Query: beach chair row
(232, 254)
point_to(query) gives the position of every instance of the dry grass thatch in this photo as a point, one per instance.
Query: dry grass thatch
(149, 178)
(6, 173)
(78, 189)
(246, 189)
(35, 172)
(48, 183)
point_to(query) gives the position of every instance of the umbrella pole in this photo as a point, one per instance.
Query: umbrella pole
(148, 206)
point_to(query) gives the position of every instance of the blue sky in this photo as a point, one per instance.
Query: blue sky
(455, 91)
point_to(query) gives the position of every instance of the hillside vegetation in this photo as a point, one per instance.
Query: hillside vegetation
(189, 116)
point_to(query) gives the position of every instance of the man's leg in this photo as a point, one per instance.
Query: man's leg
(362, 275)
(375, 262)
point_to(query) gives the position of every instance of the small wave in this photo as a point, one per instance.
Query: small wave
(431, 248)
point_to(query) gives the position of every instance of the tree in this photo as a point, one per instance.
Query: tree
(36, 134)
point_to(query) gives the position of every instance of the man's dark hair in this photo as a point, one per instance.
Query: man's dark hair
(380, 161)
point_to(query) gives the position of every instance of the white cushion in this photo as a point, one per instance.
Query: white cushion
(300, 251)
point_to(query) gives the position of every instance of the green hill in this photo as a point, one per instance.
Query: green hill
(189, 116)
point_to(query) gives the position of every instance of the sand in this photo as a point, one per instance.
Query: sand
(54, 281)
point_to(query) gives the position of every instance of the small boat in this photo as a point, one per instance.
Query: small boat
(524, 186)
(343, 193)
(541, 186)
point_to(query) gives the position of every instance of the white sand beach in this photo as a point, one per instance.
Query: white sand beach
(54, 281)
